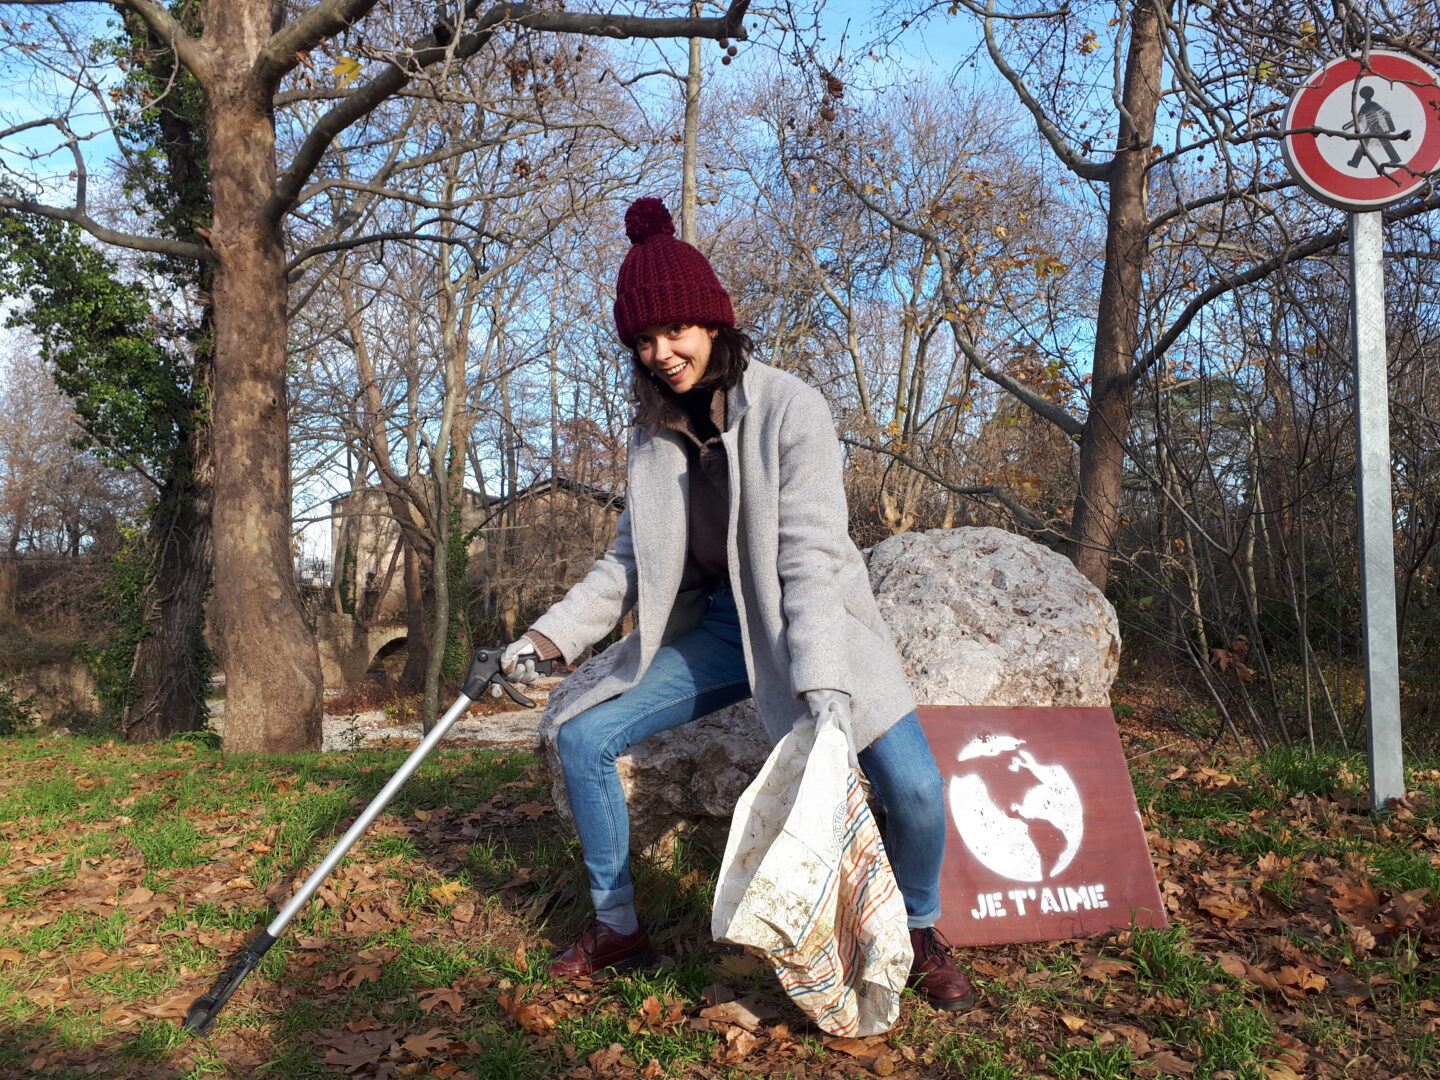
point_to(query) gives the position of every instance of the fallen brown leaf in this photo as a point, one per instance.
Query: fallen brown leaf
(605, 1062)
(739, 1044)
(1226, 909)
(431, 1043)
(535, 1019)
(1241, 968)
(447, 893)
(1164, 1063)
(732, 1012)
(1300, 979)
(1105, 969)
(430, 1000)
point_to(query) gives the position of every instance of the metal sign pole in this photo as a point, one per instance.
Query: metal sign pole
(1377, 521)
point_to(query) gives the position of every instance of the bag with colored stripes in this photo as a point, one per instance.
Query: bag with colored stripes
(806, 880)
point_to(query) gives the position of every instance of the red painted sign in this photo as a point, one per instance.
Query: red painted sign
(1363, 134)
(1045, 837)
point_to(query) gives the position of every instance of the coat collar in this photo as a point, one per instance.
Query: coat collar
(740, 396)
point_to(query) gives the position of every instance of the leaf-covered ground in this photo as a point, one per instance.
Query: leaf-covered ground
(1304, 938)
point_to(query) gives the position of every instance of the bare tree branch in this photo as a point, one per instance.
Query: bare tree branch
(1080, 166)
(1042, 407)
(160, 245)
(1224, 195)
(428, 51)
(555, 483)
(986, 12)
(168, 29)
(645, 75)
(47, 121)
(282, 52)
(1313, 246)
(360, 241)
(1017, 510)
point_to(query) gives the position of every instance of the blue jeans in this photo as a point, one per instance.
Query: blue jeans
(696, 675)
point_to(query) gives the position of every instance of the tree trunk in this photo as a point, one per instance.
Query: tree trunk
(417, 633)
(272, 665)
(1117, 326)
(691, 140)
(170, 675)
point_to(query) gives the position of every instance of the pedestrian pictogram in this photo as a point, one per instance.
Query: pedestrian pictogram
(1364, 132)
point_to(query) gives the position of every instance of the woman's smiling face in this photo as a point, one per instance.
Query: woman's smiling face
(677, 353)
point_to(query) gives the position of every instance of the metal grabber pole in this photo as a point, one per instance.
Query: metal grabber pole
(484, 668)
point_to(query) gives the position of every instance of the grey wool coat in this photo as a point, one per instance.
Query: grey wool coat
(808, 618)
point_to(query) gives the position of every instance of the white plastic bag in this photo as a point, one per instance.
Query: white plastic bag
(806, 880)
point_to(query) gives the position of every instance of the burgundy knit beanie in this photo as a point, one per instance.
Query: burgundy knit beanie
(664, 279)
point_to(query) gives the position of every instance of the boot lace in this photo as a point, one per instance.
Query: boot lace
(931, 948)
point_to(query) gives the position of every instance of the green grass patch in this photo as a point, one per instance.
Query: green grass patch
(157, 858)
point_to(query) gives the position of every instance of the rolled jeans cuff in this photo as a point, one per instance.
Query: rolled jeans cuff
(922, 922)
(603, 899)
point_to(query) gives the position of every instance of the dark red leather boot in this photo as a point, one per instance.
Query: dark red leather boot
(934, 975)
(602, 952)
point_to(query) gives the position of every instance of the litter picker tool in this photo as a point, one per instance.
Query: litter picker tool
(484, 669)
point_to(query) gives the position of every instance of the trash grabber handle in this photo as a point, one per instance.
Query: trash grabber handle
(203, 1012)
(367, 816)
(485, 669)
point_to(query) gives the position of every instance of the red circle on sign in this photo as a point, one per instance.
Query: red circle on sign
(1308, 164)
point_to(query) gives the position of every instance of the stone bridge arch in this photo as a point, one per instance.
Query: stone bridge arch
(347, 648)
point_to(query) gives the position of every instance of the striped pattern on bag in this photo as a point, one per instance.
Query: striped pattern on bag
(819, 972)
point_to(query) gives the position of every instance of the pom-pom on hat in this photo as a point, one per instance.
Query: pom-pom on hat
(664, 279)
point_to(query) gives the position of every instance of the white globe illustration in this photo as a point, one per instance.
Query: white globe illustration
(999, 834)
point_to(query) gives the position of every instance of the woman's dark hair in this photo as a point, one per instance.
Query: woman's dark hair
(656, 405)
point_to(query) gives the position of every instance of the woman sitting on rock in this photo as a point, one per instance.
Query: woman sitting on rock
(734, 546)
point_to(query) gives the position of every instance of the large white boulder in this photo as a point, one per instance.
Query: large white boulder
(985, 617)
(981, 617)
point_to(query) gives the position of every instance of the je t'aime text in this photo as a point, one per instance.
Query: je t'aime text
(998, 905)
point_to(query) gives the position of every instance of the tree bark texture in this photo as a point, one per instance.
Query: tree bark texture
(272, 665)
(417, 632)
(1117, 327)
(169, 676)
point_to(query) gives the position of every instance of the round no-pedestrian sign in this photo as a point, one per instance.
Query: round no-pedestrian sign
(1364, 132)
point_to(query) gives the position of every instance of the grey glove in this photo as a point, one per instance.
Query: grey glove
(517, 663)
(832, 707)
